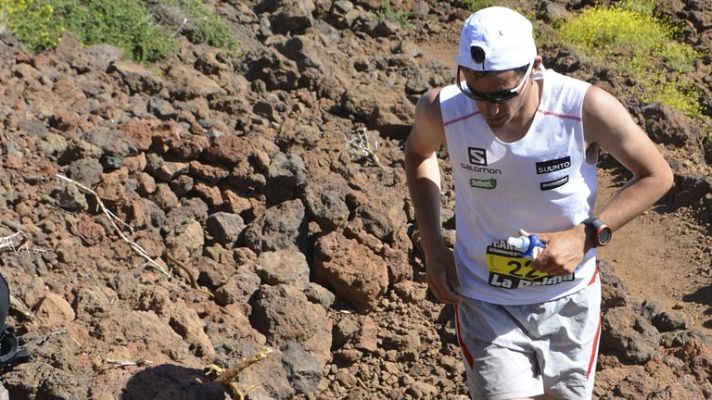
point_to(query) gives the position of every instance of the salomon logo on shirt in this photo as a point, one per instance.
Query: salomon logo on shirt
(477, 155)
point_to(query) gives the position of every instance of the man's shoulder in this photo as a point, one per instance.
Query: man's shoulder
(428, 106)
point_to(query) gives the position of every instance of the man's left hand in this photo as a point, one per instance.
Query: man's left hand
(563, 252)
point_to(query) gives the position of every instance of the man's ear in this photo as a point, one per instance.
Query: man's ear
(537, 62)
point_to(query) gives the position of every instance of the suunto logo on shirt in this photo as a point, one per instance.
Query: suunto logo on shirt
(488, 184)
(553, 165)
(553, 184)
(477, 155)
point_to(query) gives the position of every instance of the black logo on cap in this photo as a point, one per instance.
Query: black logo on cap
(478, 55)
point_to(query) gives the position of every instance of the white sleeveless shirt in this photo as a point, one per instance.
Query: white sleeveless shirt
(540, 183)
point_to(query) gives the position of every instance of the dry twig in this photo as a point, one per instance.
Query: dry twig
(360, 146)
(113, 219)
(17, 305)
(127, 363)
(193, 281)
(9, 241)
(226, 377)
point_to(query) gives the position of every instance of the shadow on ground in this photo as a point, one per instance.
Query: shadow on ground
(703, 296)
(171, 382)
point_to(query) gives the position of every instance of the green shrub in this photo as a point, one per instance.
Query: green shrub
(631, 38)
(386, 12)
(204, 26)
(30, 21)
(122, 23)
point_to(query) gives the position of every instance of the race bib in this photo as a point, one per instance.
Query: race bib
(509, 270)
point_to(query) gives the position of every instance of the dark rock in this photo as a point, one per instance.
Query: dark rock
(225, 227)
(78, 150)
(70, 198)
(274, 69)
(136, 78)
(345, 328)
(360, 102)
(182, 185)
(325, 198)
(280, 227)
(304, 371)
(283, 313)
(283, 266)
(238, 288)
(114, 145)
(164, 171)
(319, 294)
(285, 175)
(690, 189)
(86, 171)
(265, 109)
(52, 144)
(552, 12)
(668, 126)
(187, 83)
(386, 28)
(161, 109)
(633, 339)
(187, 240)
(289, 15)
(613, 293)
(98, 57)
(662, 320)
(164, 197)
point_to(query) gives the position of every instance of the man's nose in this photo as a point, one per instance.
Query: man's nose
(491, 109)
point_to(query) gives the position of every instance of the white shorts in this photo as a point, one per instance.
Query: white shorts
(519, 351)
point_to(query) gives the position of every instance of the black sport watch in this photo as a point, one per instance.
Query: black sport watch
(600, 232)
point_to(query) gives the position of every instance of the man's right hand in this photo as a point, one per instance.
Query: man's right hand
(442, 276)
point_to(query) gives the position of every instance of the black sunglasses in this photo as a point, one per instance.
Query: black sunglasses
(502, 96)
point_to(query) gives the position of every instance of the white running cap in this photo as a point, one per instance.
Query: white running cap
(504, 36)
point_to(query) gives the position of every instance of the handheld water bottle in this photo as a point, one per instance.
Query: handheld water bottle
(530, 246)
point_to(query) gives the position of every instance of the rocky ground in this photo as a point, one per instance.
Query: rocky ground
(214, 207)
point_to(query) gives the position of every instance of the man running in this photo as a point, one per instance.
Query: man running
(523, 142)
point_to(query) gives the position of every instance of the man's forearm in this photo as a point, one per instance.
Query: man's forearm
(423, 176)
(635, 197)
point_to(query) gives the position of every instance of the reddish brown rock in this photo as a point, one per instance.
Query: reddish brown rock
(210, 193)
(228, 149)
(354, 271)
(140, 132)
(209, 173)
(53, 310)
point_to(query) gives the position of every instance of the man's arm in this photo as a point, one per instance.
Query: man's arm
(423, 174)
(607, 123)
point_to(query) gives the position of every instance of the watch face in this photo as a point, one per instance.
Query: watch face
(604, 236)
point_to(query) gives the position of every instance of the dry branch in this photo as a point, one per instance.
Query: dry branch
(127, 363)
(360, 146)
(226, 377)
(113, 219)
